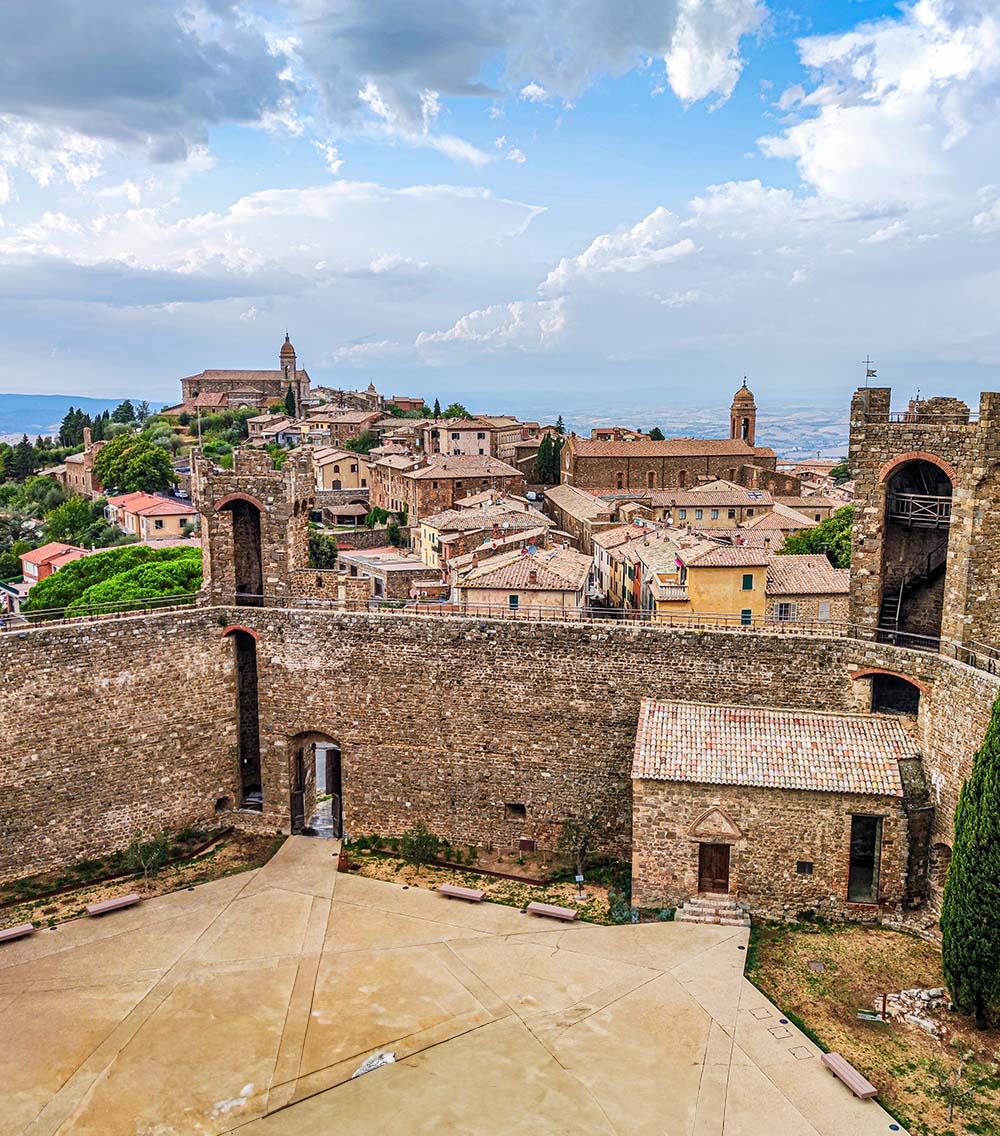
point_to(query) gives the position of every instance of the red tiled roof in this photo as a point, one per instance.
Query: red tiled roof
(771, 749)
(806, 574)
(725, 556)
(50, 551)
(464, 465)
(709, 498)
(149, 505)
(562, 570)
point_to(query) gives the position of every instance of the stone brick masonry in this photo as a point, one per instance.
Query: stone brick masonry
(117, 725)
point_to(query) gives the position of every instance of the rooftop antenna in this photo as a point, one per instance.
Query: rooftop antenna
(870, 372)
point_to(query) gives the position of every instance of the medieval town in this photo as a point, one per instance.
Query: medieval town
(500, 568)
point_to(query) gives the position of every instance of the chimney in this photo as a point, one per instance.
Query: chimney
(86, 439)
(532, 576)
(496, 531)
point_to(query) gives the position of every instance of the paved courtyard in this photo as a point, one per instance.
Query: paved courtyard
(246, 1005)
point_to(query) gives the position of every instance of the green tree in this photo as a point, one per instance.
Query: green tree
(142, 411)
(23, 461)
(419, 845)
(290, 401)
(578, 836)
(456, 410)
(72, 521)
(656, 434)
(76, 582)
(147, 856)
(832, 536)
(543, 462)
(124, 412)
(363, 442)
(560, 425)
(129, 463)
(437, 408)
(970, 908)
(322, 550)
(841, 472)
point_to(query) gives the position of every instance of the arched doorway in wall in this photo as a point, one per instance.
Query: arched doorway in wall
(251, 794)
(937, 868)
(316, 785)
(248, 563)
(918, 500)
(892, 692)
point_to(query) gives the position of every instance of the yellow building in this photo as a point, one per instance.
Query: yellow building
(341, 469)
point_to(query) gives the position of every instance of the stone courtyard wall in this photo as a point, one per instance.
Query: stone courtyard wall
(111, 726)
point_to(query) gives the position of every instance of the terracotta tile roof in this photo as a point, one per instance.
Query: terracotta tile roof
(672, 447)
(240, 376)
(559, 570)
(50, 551)
(771, 749)
(444, 468)
(149, 505)
(804, 504)
(620, 534)
(781, 517)
(576, 502)
(809, 574)
(469, 520)
(726, 556)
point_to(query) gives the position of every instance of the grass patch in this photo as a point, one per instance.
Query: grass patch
(860, 963)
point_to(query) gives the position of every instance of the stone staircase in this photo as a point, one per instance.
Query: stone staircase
(719, 909)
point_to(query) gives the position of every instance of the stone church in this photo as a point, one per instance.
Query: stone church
(224, 390)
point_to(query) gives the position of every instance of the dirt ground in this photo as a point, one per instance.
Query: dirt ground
(594, 908)
(238, 852)
(859, 965)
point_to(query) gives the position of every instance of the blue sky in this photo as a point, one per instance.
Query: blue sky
(529, 204)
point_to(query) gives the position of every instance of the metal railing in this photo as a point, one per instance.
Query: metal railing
(115, 610)
(920, 418)
(920, 509)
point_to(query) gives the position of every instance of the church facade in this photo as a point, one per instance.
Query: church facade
(230, 389)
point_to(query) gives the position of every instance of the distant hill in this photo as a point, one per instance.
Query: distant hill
(35, 414)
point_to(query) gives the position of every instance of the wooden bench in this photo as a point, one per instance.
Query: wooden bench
(115, 904)
(841, 1068)
(17, 932)
(553, 912)
(453, 891)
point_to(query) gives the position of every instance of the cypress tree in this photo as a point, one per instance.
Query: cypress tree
(437, 408)
(970, 909)
(290, 401)
(543, 463)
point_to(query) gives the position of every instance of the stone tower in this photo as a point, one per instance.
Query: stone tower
(254, 525)
(291, 376)
(743, 415)
(925, 558)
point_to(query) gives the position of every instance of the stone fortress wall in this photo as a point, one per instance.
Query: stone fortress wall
(119, 725)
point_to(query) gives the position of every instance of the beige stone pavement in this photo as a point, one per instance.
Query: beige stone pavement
(246, 1004)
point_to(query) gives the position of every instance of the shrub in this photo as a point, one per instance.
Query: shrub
(419, 845)
(147, 856)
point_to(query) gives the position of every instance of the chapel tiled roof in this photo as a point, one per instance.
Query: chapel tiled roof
(806, 574)
(771, 749)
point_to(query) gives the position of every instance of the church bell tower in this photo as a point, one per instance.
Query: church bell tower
(743, 415)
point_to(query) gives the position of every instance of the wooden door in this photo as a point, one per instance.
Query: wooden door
(713, 867)
(298, 792)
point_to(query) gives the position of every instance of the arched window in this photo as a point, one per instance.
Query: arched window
(248, 568)
(619, 480)
(651, 480)
(682, 478)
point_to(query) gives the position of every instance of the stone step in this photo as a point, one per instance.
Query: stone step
(711, 905)
(683, 916)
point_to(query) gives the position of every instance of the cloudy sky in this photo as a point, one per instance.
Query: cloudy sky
(528, 203)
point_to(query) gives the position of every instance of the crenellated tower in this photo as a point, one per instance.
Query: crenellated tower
(254, 525)
(925, 558)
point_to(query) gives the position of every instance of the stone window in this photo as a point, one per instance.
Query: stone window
(804, 867)
(682, 514)
(750, 512)
(787, 612)
(823, 609)
(479, 437)
(515, 811)
(513, 601)
(650, 480)
(748, 582)
(715, 514)
(698, 514)
(619, 480)
(732, 514)
(434, 485)
(682, 478)
(746, 617)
